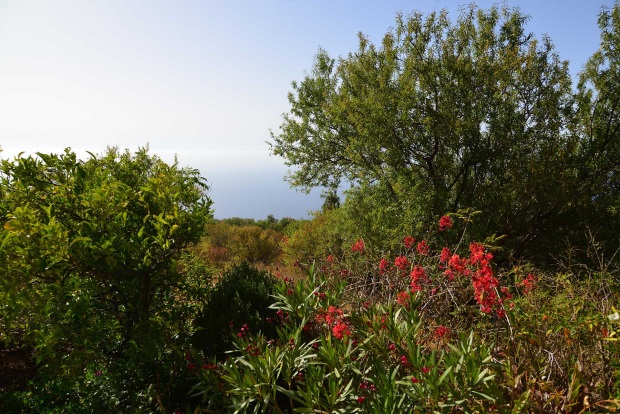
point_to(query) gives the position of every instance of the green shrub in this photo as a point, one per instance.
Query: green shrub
(311, 241)
(228, 244)
(88, 258)
(241, 296)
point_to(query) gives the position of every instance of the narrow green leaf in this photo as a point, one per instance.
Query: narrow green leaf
(444, 375)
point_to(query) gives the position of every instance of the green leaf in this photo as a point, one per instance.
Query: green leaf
(14, 226)
(444, 375)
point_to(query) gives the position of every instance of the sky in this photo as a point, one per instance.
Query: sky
(205, 80)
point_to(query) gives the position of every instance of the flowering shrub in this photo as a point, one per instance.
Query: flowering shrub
(371, 358)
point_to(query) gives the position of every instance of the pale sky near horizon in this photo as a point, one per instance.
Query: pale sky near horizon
(206, 80)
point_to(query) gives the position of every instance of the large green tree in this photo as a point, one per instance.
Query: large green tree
(88, 252)
(598, 127)
(445, 115)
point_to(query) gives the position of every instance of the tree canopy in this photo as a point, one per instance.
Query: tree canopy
(445, 115)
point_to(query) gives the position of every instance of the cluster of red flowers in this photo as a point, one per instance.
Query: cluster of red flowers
(405, 362)
(423, 248)
(445, 255)
(403, 298)
(477, 267)
(402, 263)
(252, 349)
(341, 329)
(484, 281)
(418, 274)
(367, 389)
(329, 316)
(334, 318)
(529, 283)
(358, 246)
(441, 331)
(408, 241)
(384, 266)
(244, 331)
(445, 223)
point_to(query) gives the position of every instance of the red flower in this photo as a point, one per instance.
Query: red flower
(402, 263)
(403, 298)
(404, 361)
(477, 255)
(445, 223)
(408, 241)
(335, 320)
(340, 330)
(441, 331)
(528, 284)
(425, 370)
(457, 265)
(414, 380)
(384, 266)
(418, 274)
(423, 248)
(244, 331)
(330, 258)
(445, 255)
(358, 246)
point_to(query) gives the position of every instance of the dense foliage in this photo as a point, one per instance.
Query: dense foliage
(88, 253)
(241, 297)
(474, 113)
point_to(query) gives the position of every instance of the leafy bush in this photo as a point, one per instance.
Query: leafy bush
(314, 239)
(241, 296)
(88, 254)
(228, 244)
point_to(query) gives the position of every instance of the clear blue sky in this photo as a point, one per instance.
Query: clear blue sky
(206, 80)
